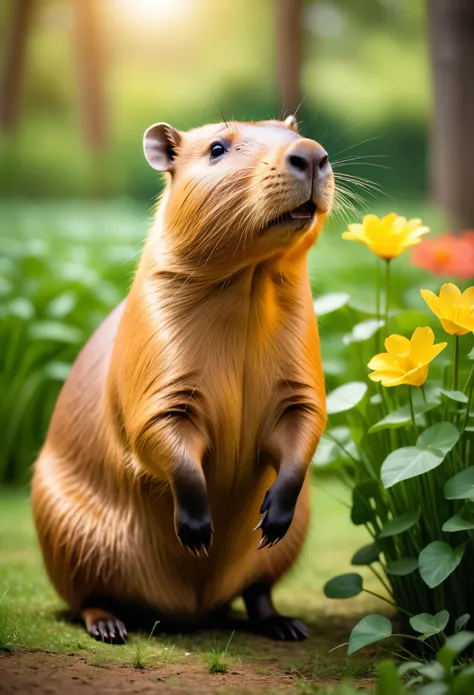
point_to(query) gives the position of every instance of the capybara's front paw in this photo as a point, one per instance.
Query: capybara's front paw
(194, 532)
(276, 520)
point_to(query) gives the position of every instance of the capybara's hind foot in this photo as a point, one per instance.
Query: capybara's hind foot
(279, 627)
(265, 620)
(104, 626)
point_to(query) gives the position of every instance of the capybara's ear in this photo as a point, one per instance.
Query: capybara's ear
(160, 143)
(291, 123)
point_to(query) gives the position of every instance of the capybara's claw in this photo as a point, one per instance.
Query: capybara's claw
(276, 520)
(280, 628)
(195, 534)
(109, 631)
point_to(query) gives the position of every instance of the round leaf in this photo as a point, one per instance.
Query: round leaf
(408, 462)
(400, 524)
(461, 622)
(402, 416)
(458, 522)
(461, 487)
(345, 397)
(370, 629)
(437, 561)
(399, 568)
(429, 624)
(457, 396)
(439, 438)
(363, 331)
(330, 302)
(366, 555)
(344, 586)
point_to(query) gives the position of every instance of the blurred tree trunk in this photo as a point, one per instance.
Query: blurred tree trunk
(288, 53)
(13, 68)
(90, 66)
(451, 25)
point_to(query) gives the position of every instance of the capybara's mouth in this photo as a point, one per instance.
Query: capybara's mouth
(302, 214)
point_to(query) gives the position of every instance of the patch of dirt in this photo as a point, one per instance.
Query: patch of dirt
(35, 673)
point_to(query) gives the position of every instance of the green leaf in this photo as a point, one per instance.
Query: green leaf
(55, 331)
(345, 397)
(471, 354)
(370, 629)
(402, 416)
(366, 555)
(400, 524)
(457, 396)
(363, 331)
(399, 568)
(344, 586)
(439, 439)
(461, 622)
(326, 453)
(461, 487)
(434, 689)
(437, 561)
(406, 463)
(432, 670)
(454, 645)
(389, 682)
(362, 511)
(328, 303)
(458, 522)
(429, 624)
(406, 666)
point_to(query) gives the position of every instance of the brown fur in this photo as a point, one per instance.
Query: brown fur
(204, 384)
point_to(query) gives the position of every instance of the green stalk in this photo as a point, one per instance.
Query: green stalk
(412, 409)
(456, 363)
(387, 294)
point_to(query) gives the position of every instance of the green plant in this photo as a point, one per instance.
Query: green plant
(407, 453)
(7, 634)
(140, 656)
(216, 660)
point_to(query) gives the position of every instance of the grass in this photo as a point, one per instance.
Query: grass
(140, 655)
(34, 618)
(216, 660)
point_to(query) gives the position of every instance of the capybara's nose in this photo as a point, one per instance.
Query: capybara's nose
(307, 159)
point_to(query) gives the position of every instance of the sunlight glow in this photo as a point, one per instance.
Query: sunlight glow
(151, 11)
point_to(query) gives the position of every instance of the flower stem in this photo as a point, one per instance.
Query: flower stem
(412, 410)
(387, 293)
(456, 362)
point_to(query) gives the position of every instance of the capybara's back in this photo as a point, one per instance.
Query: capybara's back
(192, 414)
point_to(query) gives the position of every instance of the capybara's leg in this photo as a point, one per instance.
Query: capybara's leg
(265, 619)
(103, 626)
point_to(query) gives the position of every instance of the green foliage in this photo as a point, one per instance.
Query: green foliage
(413, 490)
(59, 277)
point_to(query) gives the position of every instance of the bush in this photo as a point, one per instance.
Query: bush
(407, 454)
(58, 279)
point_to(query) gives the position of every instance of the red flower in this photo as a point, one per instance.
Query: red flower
(447, 255)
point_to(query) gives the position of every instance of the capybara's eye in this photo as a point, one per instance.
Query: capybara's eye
(217, 150)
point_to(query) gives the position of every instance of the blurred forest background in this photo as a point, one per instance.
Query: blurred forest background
(81, 80)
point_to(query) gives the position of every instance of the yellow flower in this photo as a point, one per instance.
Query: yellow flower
(454, 310)
(406, 361)
(387, 237)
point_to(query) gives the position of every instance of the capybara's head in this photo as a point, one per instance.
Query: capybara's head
(240, 191)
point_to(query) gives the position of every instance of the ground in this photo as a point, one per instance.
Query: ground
(45, 653)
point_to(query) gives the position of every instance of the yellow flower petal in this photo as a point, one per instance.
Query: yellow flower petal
(453, 328)
(397, 344)
(406, 361)
(432, 300)
(449, 294)
(387, 237)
